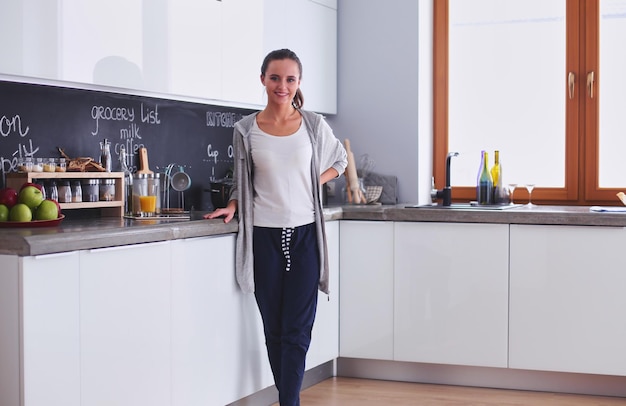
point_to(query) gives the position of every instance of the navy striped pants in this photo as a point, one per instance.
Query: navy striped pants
(286, 277)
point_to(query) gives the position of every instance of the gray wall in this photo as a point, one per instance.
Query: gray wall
(378, 92)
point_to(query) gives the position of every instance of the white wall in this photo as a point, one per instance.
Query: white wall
(380, 105)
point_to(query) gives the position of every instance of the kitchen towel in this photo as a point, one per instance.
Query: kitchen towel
(389, 184)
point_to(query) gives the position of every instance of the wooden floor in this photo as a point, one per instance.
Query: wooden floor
(363, 392)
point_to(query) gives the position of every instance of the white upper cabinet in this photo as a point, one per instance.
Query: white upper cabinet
(310, 30)
(193, 65)
(328, 3)
(208, 49)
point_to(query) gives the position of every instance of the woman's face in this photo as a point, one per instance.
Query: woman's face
(281, 80)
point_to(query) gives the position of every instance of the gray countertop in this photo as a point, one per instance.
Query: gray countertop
(548, 215)
(79, 234)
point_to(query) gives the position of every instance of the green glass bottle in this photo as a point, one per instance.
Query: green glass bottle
(496, 178)
(484, 183)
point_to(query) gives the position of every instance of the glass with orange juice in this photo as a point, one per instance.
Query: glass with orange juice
(145, 195)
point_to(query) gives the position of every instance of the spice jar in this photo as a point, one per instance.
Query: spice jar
(65, 192)
(25, 165)
(49, 166)
(38, 165)
(91, 192)
(107, 189)
(77, 192)
(60, 165)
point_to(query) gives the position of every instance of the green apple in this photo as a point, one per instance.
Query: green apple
(4, 212)
(47, 210)
(31, 196)
(20, 212)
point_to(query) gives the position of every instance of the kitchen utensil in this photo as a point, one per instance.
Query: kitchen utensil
(355, 195)
(144, 168)
(366, 166)
(180, 181)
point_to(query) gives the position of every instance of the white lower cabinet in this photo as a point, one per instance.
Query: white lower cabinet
(567, 299)
(451, 293)
(9, 330)
(218, 348)
(50, 364)
(125, 325)
(325, 336)
(366, 282)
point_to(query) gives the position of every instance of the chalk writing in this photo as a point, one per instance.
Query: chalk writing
(111, 114)
(150, 116)
(219, 119)
(26, 150)
(130, 133)
(212, 153)
(12, 125)
(9, 164)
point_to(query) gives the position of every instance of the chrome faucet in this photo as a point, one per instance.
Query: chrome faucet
(446, 192)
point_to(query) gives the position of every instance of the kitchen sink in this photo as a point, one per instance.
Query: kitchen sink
(467, 206)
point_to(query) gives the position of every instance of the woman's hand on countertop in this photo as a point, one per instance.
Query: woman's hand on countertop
(228, 212)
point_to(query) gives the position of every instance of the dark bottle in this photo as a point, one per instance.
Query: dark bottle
(484, 183)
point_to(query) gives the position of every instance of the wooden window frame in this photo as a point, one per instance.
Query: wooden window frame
(581, 144)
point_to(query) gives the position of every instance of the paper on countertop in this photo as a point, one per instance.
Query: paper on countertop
(608, 209)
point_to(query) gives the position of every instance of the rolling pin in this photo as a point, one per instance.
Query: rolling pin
(352, 178)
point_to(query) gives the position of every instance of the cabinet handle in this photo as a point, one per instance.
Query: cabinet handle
(126, 247)
(56, 254)
(591, 78)
(571, 81)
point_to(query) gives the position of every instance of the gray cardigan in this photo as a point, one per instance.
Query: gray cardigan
(328, 152)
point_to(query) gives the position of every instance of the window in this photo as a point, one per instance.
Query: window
(522, 77)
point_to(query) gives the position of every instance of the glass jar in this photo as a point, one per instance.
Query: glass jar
(155, 185)
(38, 165)
(25, 165)
(61, 166)
(77, 192)
(42, 187)
(140, 188)
(49, 165)
(65, 192)
(51, 190)
(91, 190)
(107, 190)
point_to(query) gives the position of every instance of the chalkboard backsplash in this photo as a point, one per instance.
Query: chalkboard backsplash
(36, 119)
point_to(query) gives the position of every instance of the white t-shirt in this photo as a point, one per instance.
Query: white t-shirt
(283, 191)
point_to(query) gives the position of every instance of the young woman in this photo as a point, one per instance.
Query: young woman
(283, 156)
